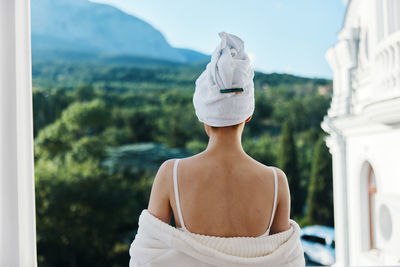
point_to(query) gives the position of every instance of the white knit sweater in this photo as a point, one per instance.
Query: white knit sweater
(160, 244)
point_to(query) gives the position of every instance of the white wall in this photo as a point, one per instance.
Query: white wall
(17, 199)
(382, 151)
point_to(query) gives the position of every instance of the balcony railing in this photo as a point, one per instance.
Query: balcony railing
(381, 79)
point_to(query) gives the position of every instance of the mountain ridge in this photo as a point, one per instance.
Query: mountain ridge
(83, 26)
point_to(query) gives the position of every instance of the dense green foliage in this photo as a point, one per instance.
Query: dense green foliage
(102, 131)
(287, 161)
(320, 192)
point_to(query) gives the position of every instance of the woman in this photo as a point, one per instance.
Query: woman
(230, 210)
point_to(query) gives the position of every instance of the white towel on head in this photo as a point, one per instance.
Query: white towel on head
(229, 68)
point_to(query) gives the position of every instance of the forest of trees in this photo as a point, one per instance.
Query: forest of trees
(102, 130)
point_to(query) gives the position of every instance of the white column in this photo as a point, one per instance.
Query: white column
(396, 10)
(390, 17)
(337, 147)
(342, 60)
(380, 29)
(385, 17)
(17, 195)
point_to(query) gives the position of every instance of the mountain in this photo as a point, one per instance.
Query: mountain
(80, 27)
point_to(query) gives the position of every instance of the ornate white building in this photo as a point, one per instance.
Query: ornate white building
(363, 123)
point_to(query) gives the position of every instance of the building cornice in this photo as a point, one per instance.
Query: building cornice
(378, 117)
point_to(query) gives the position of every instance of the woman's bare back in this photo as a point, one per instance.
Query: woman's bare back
(230, 196)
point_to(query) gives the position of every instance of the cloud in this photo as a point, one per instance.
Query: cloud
(345, 2)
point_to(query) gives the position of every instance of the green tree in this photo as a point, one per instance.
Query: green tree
(78, 120)
(84, 92)
(320, 191)
(86, 217)
(48, 106)
(141, 123)
(305, 144)
(287, 161)
(262, 149)
(87, 118)
(176, 126)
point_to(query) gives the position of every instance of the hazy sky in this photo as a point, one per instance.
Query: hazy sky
(280, 35)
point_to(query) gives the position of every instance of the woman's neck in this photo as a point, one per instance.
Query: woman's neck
(226, 142)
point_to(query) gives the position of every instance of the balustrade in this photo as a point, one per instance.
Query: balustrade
(380, 80)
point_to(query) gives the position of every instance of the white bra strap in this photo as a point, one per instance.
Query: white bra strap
(275, 197)
(178, 206)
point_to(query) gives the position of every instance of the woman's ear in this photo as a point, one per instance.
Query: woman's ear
(249, 118)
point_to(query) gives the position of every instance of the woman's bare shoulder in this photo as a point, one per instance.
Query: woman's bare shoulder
(282, 179)
(282, 214)
(265, 168)
(283, 185)
(160, 192)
